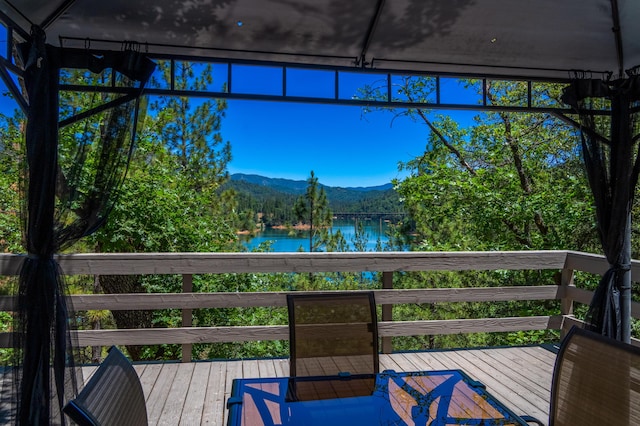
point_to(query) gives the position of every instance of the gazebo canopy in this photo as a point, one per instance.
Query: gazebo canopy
(545, 39)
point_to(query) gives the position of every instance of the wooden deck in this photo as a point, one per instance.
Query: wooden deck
(196, 393)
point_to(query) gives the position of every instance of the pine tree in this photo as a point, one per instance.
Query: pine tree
(312, 208)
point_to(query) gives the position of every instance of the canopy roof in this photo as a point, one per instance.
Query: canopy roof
(515, 38)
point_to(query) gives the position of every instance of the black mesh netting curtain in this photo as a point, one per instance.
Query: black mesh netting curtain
(67, 196)
(611, 159)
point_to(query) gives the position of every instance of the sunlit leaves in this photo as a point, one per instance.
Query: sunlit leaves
(513, 181)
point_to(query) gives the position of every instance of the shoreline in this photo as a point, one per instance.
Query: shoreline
(297, 227)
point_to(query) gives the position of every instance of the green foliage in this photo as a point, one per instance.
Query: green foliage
(171, 200)
(190, 131)
(6, 355)
(272, 205)
(374, 201)
(472, 310)
(158, 211)
(10, 161)
(511, 182)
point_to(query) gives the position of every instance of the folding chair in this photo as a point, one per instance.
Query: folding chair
(112, 396)
(333, 335)
(596, 381)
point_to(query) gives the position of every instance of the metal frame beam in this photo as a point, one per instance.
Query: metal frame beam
(332, 97)
(103, 107)
(7, 67)
(12, 26)
(13, 88)
(57, 13)
(329, 101)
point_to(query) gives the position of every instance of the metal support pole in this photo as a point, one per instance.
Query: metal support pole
(622, 165)
(625, 289)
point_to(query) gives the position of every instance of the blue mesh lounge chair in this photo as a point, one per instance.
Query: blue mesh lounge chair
(333, 335)
(596, 381)
(112, 396)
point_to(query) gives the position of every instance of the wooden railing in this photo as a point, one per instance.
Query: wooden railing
(189, 264)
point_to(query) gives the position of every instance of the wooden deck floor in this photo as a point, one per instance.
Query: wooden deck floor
(196, 393)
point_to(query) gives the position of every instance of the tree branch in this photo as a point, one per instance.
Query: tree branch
(525, 180)
(446, 143)
(522, 239)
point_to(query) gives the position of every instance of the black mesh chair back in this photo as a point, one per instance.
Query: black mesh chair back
(596, 381)
(112, 396)
(333, 335)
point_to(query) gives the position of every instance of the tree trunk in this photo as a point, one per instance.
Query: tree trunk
(128, 319)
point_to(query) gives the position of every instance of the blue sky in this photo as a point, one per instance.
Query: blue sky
(342, 145)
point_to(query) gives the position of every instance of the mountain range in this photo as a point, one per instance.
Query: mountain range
(300, 186)
(255, 191)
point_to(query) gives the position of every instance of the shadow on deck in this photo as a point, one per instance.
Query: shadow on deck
(196, 393)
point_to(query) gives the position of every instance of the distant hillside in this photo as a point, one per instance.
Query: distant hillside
(299, 186)
(275, 197)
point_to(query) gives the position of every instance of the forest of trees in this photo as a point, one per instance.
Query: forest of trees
(512, 181)
(269, 203)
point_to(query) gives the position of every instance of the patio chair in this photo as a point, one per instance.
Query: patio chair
(112, 396)
(333, 335)
(596, 381)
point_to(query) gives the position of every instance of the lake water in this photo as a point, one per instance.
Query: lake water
(285, 241)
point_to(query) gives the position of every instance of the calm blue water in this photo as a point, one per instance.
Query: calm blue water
(283, 241)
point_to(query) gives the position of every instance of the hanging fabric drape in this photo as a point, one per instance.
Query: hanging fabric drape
(609, 148)
(71, 184)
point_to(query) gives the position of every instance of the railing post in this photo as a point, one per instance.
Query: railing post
(387, 311)
(566, 302)
(96, 351)
(187, 315)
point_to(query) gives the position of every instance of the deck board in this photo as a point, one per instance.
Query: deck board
(196, 395)
(234, 370)
(511, 383)
(174, 405)
(214, 410)
(160, 392)
(504, 380)
(148, 377)
(493, 376)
